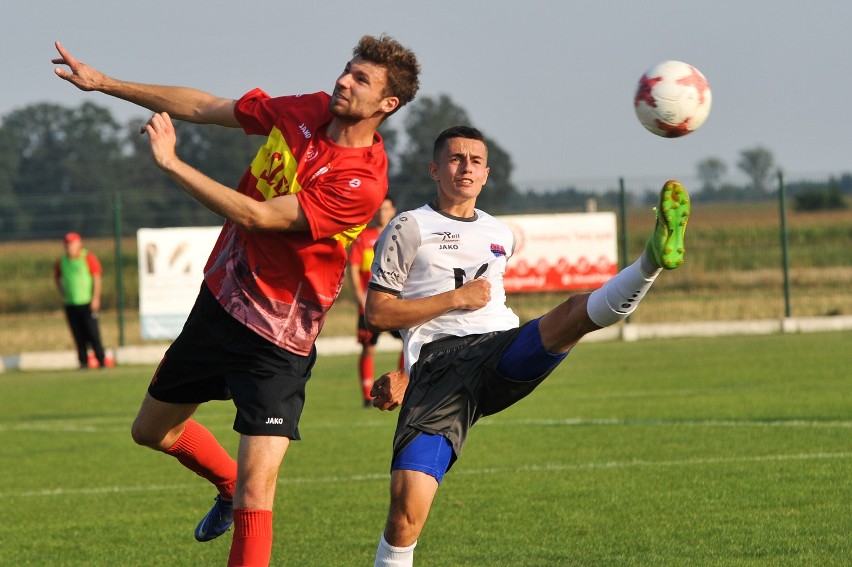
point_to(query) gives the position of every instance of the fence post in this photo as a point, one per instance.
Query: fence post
(785, 260)
(119, 268)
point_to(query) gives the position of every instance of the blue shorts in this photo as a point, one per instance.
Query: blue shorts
(427, 453)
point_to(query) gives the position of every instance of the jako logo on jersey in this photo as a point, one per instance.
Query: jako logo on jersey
(355, 183)
(305, 132)
(497, 250)
(274, 421)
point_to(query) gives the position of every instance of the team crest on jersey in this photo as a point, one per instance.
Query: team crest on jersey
(497, 250)
(311, 153)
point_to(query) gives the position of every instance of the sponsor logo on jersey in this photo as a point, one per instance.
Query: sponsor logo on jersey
(448, 236)
(305, 132)
(274, 421)
(497, 250)
(355, 183)
(275, 166)
(321, 171)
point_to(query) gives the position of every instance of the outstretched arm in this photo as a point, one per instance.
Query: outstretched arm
(280, 213)
(387, 312)
(183, 103)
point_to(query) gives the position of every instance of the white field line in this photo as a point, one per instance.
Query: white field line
(547, 467)
(113, 425)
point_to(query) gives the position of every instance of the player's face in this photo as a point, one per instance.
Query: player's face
(359, 92)
(461, 170)
(73, 248)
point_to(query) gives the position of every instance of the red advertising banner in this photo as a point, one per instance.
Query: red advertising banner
(569, 251)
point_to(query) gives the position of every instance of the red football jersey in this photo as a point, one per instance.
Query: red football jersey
(281, 284)
(361, 254)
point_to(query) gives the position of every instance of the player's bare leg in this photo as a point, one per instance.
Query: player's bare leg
(169, 428)
(159, 424)
(259, 460)
(412, 493)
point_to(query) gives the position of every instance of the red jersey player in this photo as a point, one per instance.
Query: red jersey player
(274, 272)
(360, 260)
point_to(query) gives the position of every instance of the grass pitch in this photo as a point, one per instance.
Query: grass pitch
(737, 453)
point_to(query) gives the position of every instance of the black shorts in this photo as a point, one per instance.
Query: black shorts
(215, 357)
(454, 383)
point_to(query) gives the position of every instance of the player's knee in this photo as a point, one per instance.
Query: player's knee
(145, 437)
(402, 529)
(256, 493)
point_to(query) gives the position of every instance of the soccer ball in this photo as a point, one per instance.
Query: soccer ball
(672, 99)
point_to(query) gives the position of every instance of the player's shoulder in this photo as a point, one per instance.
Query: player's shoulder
(485, 218)
(407, 226)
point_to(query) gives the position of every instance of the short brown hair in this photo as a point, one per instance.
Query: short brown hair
(400, 62)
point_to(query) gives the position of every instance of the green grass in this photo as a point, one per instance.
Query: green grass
(739, 455)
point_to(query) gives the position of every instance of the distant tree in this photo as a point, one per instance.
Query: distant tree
(710, 172)
(390, 137)
(410, 182)
(11, 216)
(820, 198)
(67, 161)
(757, 164)
(152, 199)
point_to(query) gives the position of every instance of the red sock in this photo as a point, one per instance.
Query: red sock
(365, 366)
(198, 450)
(252, 545)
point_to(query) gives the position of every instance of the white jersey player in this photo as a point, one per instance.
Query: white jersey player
(437, 276)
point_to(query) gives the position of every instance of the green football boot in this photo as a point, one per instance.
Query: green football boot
(666, 247)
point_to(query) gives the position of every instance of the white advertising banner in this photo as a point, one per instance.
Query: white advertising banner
(568, 251)
(171, 269)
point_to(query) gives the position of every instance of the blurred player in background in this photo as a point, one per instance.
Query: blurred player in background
(274, 272)
(78, 277)
(360, 259)
(464, 351)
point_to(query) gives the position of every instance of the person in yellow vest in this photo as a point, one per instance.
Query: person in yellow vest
(78, 278)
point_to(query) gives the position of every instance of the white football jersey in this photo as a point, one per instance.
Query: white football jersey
(425, 252)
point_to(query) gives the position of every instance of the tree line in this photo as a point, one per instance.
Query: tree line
(61, 168)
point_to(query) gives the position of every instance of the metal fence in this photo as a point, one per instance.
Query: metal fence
(748, 256)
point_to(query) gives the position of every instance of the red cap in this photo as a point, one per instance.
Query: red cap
(72, 236)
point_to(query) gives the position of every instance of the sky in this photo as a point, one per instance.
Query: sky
(552, 82)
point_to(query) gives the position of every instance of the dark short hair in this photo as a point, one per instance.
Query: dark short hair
(468, 132)
(400, 62)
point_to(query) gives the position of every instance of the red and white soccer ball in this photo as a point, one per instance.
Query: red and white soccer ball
(672, 99)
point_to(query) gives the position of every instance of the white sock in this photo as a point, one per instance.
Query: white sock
(619, 297)
(389, 556)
